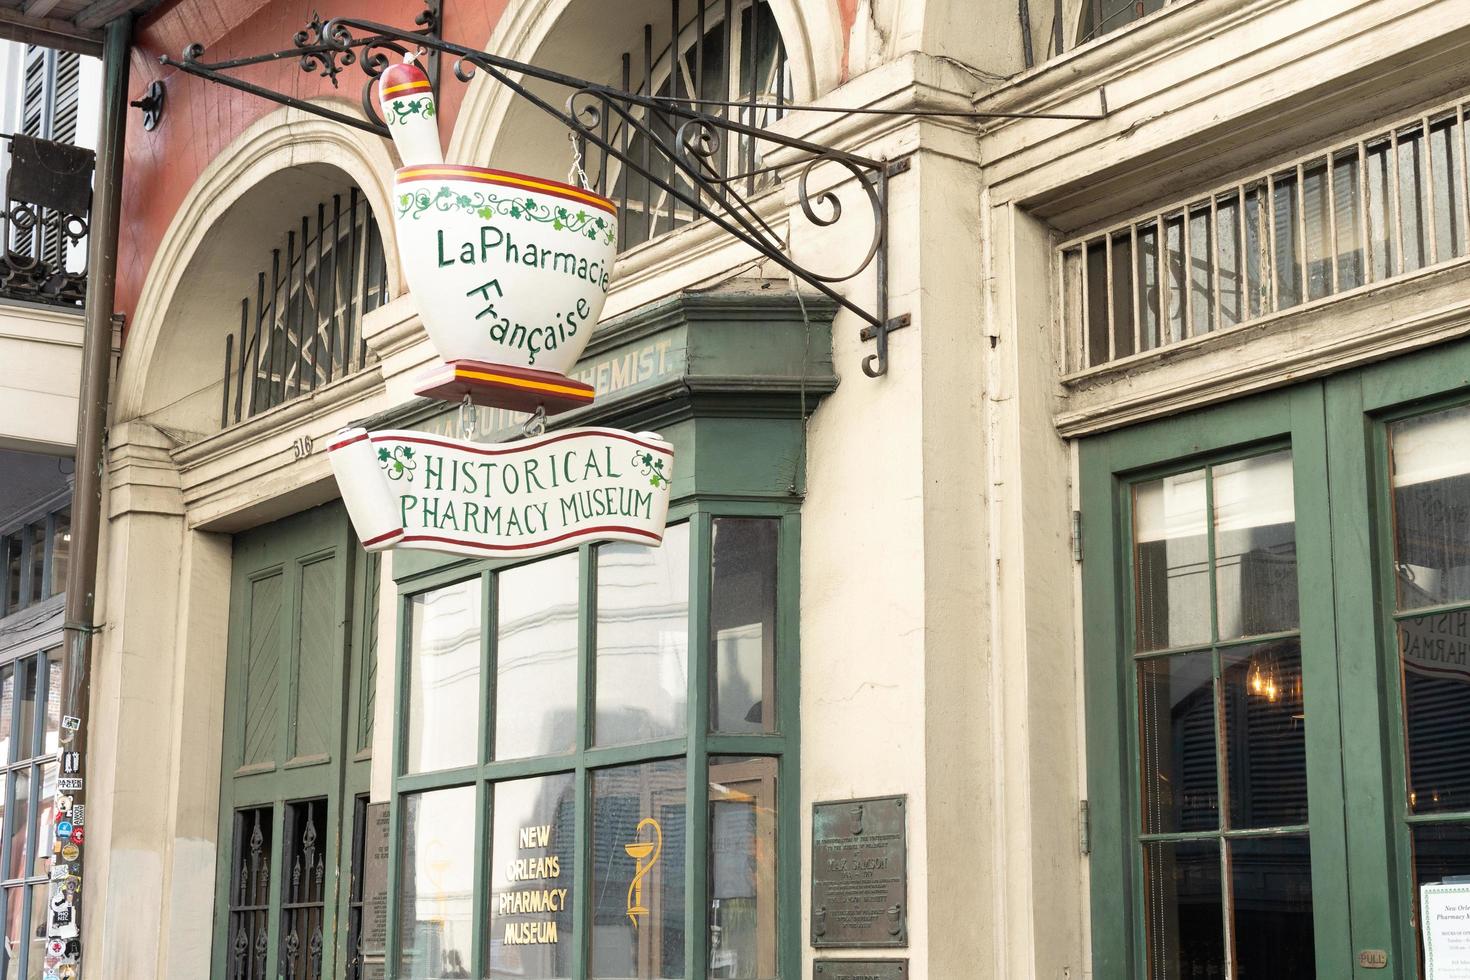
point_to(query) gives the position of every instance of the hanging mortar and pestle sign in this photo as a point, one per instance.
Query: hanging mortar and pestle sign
(510, 273)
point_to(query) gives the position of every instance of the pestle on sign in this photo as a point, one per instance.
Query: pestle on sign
(510, 273)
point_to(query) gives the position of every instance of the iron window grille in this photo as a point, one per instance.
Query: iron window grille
(724, 52)
(1366, 211)
(303, 329)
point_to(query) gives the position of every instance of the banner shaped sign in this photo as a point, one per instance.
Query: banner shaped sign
(530, 497)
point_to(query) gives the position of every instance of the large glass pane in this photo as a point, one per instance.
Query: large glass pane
(36, 535)
(1436, 658)
(1257, 258)
(1318, 222)
(1255, 546)
(1265, 734)
(742, 874)
(15, 924)
(1175, 275)
(1122, 295)
(1286, 202)
(1184, 911)
(45, 821)
(436, 884)
(1441, 850)
(1271, 894)
(1431, 507)
(1097, 302)
(1413, 199)
(642, 639)
(52, 730)
(1148, 284)
(36, 933)
(1201, 271)
(1172, 562)
(60, 551)
(1232, 279)
(638, 841)
(7, 713)
(1382, 242)
(13, 545)
(1347, 204)
(25, 683)
(1072, 305)
(532, 864)
(1447, 192)
(536, 658)
(444, 678)
(18, 829)
(1176, 732)
(743, 625)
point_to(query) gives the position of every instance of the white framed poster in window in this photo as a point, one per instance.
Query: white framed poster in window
(1444, 913)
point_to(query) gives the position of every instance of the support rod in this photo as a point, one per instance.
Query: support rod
(81, 575)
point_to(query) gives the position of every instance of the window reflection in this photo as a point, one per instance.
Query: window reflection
(1172, 562)
(743, 623)
(1431, 508)
(536, 658)
(1255, 546)
(641, 676)
(1186, 912)
(444, 678)
(742, 877)
(638, 838)
(532, 867)
(436, 884)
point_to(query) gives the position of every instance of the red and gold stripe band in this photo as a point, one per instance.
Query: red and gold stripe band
(418, 85)
(485, 175)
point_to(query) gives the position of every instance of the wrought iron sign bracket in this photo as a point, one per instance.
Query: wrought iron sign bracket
(684, 148)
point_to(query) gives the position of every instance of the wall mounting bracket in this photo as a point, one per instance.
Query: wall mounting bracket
(682, 143)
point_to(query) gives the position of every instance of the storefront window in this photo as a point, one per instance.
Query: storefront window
(591, 812)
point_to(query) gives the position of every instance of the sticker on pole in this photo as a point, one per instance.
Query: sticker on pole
(407, 489)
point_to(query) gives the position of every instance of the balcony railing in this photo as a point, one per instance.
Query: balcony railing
(48, 197)
(304, 327)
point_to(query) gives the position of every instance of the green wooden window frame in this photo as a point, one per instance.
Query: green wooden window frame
(1359, 816)
(694, 748)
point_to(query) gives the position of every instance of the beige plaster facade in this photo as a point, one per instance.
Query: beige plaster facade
(940, 652)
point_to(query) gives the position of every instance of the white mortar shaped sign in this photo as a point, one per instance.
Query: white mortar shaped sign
(509, 271)
(530, 497)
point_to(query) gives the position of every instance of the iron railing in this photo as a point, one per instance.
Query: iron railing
(304, 328)
(1362, 212)
(48, 194)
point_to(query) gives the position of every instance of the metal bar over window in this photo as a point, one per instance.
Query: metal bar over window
(1277, 250)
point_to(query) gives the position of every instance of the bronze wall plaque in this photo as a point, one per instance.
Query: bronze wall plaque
(861, 970)
(376, 851)
(860, 873)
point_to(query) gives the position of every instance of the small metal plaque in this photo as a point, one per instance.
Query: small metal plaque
(860, 873)
(861, 970)
(1373, 959)
(375, 856)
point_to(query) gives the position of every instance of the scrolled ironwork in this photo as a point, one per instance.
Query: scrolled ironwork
(688, 142)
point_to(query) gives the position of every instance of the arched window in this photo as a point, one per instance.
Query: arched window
(727, 51)
(301, 318)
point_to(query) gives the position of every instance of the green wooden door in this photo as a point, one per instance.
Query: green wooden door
(297, 729)
(1277, 626)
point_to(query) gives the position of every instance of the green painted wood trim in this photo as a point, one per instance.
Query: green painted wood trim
(1109, 466)
(788, 720)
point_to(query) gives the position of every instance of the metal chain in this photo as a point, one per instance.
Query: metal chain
(576, 168)
(467, 417)
(535, 423)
